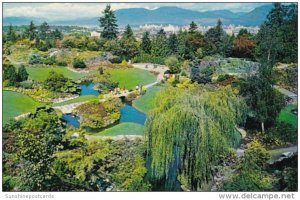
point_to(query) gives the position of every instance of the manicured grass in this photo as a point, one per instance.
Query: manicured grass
(146, 102)
(41, 73)
(130, 78)
(127, 128)
(15, 104)
(287, 116)
(77, 100)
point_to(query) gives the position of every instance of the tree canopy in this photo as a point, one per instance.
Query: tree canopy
(108, 23)
(188, 131)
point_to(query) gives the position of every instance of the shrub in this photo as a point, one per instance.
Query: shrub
(35, 59)
(26, 84)
(282, 133)
(68, 42)
(22, 73)
(174, 65)
(124, 62)
(78, 63)
(132, 96)
(61, 63)
(223, 77)
(251, 174)
(50, 60)
(92, 46)
(10, 75)
(56, 82)
(99, 114)
(6, 83)
(115, 59)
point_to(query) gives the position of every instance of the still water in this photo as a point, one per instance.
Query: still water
(128, 112)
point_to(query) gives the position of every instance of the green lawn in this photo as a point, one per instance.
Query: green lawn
(287, 116)
(127, 128)
(146, 102)
(41, 73)
(130, 78)
(77, 100)
(15, 104)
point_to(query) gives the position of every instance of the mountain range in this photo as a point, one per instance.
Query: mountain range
(163, 15)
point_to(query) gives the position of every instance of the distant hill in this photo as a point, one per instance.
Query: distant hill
(255, 17)
(165, 15)
(20, 20)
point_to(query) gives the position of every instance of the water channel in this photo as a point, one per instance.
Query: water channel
(128, 112)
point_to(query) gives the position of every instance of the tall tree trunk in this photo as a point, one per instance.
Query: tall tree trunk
(262, 127)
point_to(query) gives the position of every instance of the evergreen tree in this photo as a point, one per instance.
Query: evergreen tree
(44, 30)
(10, 75)
(37, 42)
(243, 32)
(31, 31)
(129, 47)
(128, 33)
(146, 42)
(108, 23)
(227, 45)
(159, 46)
(56, 34)
(277, 37)
(161, 33)
(200, 74)
(182, 37)
(173, 44)
(193, 27)
(261, 97)
(11, 34)
(214, 39)
(22, 74)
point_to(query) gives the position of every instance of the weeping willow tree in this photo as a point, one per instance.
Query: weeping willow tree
(188, 131)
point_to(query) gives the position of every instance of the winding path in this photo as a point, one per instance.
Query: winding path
(117, 137)
(287, 93)
(159, 69)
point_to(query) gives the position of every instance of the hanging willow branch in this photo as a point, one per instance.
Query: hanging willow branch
(190, 129)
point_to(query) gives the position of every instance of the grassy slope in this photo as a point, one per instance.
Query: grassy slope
(69, 55)
(287, 116)
(127, 128)
(76, 100)
(130, 78)
(15, 104)
(41, 73)
(145, 102)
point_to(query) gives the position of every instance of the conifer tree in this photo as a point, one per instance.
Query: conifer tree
(173, 44)
(31, 31)
(11, 34)
(146, 42)
(108, 23)
(128, 33)
(193, 27)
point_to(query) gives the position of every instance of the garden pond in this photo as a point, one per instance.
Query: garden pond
(128, 112)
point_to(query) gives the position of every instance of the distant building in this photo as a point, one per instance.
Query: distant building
(95, 34)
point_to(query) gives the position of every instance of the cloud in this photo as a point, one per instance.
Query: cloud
(59, 11)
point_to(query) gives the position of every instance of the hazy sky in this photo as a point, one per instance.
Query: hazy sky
(58, 11)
